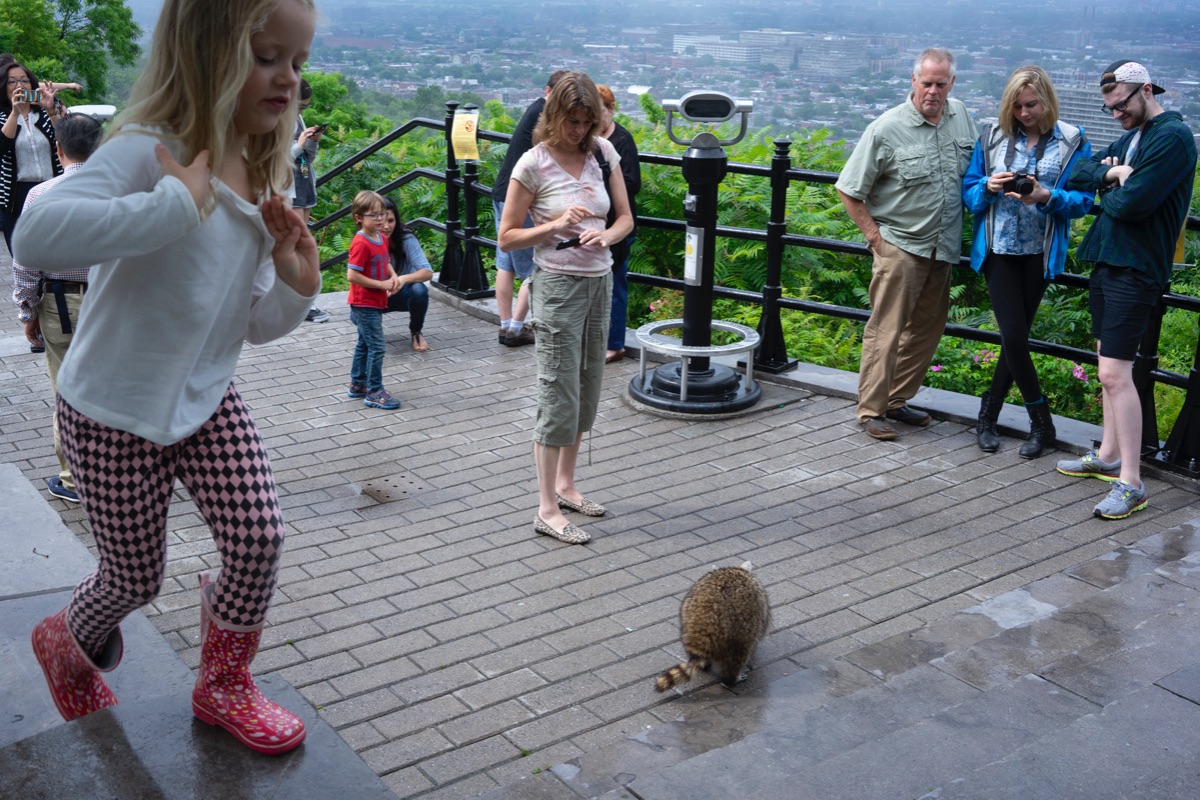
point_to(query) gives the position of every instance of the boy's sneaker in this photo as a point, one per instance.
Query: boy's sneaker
(356, 391)
(317, 315)
(1090, 466)
(381, 399)
(1122, 501)
(56, 488)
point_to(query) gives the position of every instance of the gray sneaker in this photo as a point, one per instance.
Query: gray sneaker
(1122, 501)
(1090, 466)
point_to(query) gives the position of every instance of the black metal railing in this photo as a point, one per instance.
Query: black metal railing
(462, 273)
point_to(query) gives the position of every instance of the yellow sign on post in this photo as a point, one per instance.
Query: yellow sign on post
(1179, 249)
(462, 135)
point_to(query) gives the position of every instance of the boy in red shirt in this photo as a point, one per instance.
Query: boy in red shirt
(372, 279)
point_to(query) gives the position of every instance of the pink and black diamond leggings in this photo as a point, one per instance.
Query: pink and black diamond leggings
(125, 484)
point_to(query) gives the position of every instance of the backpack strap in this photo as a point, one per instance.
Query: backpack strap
(606, 171)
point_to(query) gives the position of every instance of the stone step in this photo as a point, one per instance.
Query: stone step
(922, 710)
(149, 745)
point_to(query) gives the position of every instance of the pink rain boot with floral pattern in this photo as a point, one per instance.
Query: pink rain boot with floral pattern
(225, 693)
(74, 679)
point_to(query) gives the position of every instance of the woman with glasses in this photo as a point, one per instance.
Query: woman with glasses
(27, 148)
(1016, 188)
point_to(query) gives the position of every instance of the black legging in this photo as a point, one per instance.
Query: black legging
(1016, 285)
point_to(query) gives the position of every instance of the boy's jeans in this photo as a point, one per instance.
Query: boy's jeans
(367, 368)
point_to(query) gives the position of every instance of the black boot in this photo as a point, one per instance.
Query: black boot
(1041, 430)
(989, 412)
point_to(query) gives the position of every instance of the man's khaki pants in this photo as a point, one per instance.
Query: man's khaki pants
(56, 349)
(910, 296)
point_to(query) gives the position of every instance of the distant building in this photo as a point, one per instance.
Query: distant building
(1080, 105)
(718, 48)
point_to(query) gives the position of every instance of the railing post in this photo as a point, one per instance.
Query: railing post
(771, 356)
(452, 258)
(1144, 364)
(1183, 444)
(472, 281)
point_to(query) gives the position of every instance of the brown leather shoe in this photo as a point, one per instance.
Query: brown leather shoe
(524, 337)
(878, 428)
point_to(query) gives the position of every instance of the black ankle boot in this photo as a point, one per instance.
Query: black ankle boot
(1041, 430)
(985, 428)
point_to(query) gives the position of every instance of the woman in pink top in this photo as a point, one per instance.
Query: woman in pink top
(560, 183)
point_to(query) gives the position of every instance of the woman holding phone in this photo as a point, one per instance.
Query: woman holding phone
(304, 177)
(27, 151)
(565, 188)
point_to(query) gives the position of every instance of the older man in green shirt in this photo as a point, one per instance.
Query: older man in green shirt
(902, 186)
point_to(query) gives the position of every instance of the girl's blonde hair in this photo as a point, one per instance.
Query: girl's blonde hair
(573, 90)
(1035, 78)
(200, 57)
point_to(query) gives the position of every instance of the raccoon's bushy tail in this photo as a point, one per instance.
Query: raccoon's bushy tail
(680, 673)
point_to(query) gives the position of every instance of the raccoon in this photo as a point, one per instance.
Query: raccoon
(722, 619)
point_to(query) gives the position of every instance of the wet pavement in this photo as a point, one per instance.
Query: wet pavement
(947, 623)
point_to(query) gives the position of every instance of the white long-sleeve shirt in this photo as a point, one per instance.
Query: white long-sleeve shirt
(170, 299)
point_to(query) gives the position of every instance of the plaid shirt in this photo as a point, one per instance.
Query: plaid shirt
(1139, 222)
(25, 281)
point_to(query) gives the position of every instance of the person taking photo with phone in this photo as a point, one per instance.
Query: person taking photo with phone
(27, 147)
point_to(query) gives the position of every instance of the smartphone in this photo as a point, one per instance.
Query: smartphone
(320, 128)
(565, 243)
(32, 95)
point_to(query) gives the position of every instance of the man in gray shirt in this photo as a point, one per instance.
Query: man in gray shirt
(902, 186)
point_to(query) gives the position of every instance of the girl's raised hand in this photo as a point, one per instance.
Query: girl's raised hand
(194, 176)
(295, 253)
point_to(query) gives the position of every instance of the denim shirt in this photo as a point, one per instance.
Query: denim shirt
(1020, 229)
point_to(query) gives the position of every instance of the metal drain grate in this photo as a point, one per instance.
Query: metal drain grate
(396, 487)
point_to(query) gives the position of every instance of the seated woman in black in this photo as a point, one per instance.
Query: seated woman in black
(412, 266)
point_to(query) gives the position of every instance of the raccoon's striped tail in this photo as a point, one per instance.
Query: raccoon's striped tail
(680, 673)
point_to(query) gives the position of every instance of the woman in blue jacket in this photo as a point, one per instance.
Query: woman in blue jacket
(1016, 188)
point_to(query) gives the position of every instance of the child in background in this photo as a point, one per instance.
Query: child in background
(372, 281)
(195, 252)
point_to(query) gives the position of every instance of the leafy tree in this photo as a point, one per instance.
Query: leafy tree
(654, 113)
(28, 30)
(71, 39)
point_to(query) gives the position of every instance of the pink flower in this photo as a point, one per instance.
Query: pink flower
(936, 368)
(1080, 373)
(985, 357)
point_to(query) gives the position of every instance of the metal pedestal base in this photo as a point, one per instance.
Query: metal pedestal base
(715, 390)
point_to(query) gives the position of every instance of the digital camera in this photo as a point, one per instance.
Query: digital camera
(1021, 183)
(32, 95)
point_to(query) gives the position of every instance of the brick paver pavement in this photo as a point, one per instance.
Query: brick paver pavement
(456, 650)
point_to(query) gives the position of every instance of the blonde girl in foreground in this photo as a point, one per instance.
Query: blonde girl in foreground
(182, 211)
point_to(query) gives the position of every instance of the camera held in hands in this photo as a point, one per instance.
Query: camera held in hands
(31, 95)
(1021, 182)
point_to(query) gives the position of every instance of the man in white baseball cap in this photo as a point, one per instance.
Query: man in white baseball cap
(1145, 185)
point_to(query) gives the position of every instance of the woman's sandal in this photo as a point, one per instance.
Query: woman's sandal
(614, 355)
(418, 343)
